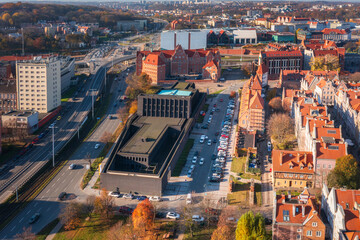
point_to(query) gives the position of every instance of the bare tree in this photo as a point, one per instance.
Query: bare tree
(90, 205)
(104, 205)
(106, 137)
(281, 130)
(27, 234)
(276, 104)
(70, 215)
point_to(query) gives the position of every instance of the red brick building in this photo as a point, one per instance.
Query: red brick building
(166, 63)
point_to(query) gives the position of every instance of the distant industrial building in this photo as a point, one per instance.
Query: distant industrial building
(188, 39)
(127, 25)
(26, 120)
(38, 84)
(152, 140)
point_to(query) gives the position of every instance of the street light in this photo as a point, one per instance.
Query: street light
(52, 126)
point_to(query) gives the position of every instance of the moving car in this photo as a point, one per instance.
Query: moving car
(209, 142)
(72, 166)
(172, 215)
(97, 146)
(34, 218)
(194, 159)
(201, 162)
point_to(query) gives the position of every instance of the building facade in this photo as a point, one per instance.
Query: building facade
(26, 120)
(38, 84)
(8, 95)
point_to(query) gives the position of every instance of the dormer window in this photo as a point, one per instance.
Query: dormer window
(301, 167)
(291, 166)
(310, 167)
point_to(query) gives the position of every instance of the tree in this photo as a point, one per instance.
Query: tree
(70, 215)
(345, 174)
(328, 62)
(27, 234)
(133, 107)
(232, 94)
(89, 205)
(281, 130)
(250, 227)
(104, 204)
(222, 232)
(143, 216)
(276, 104)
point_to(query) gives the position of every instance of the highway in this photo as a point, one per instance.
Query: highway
(74, 114)
(67, 180)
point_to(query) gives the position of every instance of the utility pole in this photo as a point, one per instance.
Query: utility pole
(52, 126)
(92, 102)
(105, 79)
(23, 47)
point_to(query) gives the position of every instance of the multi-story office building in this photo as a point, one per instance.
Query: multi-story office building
(38, 84)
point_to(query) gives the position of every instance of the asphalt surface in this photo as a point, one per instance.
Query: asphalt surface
(67, 180)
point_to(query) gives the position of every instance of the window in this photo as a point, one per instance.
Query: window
(309, 233)
(286, 216)
(314, 224)
(318, 233)
(329, 166)
(299, 230)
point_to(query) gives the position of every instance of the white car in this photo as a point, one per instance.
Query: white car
(172, 215)
(97, 146)
(114, 194)
(202, 140)
(209, 142)
(197, 218)
(194, 159)
(192, 167)
(201, 162)
(128, 196)
(269, 144)
(155, 199)
(72, 166)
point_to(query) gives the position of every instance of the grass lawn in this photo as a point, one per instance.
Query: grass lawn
(68, 93)
(200, 233)
(94, 229)
(183, 157)
(47, 229)
(258, 195)
(238, 166)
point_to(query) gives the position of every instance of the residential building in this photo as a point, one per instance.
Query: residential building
(7, 95)
(276, 61)
(38, 84)
(297, 218)
(67, 72)
(25, 120)
(292, 169)
(325, 92)
(162, 64)
(341, 207)
(5, 70)
(252, 111)
(336, 34)
(283, 28)
(126, 25)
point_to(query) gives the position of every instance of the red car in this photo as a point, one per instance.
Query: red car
(221, 100)
(215, 105)
(35, 140)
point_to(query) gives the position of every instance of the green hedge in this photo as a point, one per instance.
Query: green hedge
(183, 157)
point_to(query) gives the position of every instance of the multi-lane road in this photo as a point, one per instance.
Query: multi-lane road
(67, 180)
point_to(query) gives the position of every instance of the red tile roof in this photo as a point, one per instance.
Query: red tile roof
(257, 102)
(282, 53)
(333, 30)
(283, 160)
(154, 59)
(330, 151)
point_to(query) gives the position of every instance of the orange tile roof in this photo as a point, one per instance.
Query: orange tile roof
(328, 132)
(333, 30)
(256, 85)
(282, 53)
(154, 59)
(330, 151)
(296, 218)
(256, 102)
(282, 160)
(322, 83)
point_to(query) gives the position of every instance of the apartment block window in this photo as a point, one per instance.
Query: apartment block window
(309, 233)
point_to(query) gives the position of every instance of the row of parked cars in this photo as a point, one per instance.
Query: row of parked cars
(131, 196)
(218, 166)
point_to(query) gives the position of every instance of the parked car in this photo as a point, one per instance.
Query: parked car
(194, 159)
(197, 218)
(128, 196)
(114, 194)
(34, 218)
(155, 199)
(141, 198)
(172, 215)
(209, 142)
(62, 196)
(201, 162)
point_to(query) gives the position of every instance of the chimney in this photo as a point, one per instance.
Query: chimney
(283, 198)
(303, 210)
(305, 158)
(281, 158)
(298, 157)
(294, 210)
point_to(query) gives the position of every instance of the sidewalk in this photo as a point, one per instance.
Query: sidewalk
(53, 232)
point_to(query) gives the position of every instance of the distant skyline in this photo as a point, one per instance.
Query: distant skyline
(97, 1)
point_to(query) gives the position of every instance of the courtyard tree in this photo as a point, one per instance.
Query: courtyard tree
(276, 104)
(328, 62)
(104, 204)
(143, 216)
(222, 232)
(281, 130)
(345, 174)
(250, 227)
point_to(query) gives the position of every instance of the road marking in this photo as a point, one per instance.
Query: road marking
(63, 174)
(35, 204)
(28, 212)
(21, 219)
(48, 190)
(58, 179)
(71, 180)
(13, 228)
(4, 237)
(48, 209)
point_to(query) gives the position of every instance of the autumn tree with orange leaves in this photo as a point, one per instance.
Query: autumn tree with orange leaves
(143, 216)
(70, 215)
(104, 204)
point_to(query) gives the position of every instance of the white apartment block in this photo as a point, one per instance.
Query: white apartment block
(38, 84)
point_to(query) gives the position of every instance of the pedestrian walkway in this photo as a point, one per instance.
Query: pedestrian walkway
(54, 231)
